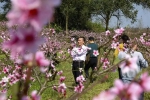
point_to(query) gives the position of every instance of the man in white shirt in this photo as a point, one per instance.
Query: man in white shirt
(78, 54)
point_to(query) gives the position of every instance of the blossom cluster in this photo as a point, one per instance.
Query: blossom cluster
(29, 16)
(11, 76)
(115, 42)
(79, 88)
(144, 38)
(34, 96)
(61, 88)
(130, 91)
(105, 62)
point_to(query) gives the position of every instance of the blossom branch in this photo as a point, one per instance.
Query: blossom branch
(36, 75)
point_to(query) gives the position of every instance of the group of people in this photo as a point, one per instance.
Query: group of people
(79, 54)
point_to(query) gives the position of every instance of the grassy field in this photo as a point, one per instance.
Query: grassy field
(50, 94)
(66, 67)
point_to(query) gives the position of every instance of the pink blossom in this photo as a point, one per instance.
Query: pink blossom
(18, 67)
(144, 34)
(4, 91)
(62, 78)
(122, 29)
(52, 31)
(129, 65)
(55, 88)
(105, 63)
(61, 52)
(114, 45)
(126, 91)
(72, 39)
(52, 65)
(107, 32)
(104, 66)
(23, 40)
(15, 76)
(105, 96)
(35, 12)
(69, 51)
(5, 79)
(119, 31)
(34, 95)
(80, 78)
(60, 73)
(105, 60)
(3, 96)
(142, 39)
(95, 68)
(62, 88)
(5, 70)
(134, 90)
(145, 82)
(95, 52)
(43, 69)
(115, 37)
(79, 88)
(118, 86)
(24, 76)
(25, 98)
(48, 75)
(40, 59)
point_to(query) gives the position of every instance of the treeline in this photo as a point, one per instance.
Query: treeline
(78, 14)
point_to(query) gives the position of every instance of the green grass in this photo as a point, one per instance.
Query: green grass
(50, 94)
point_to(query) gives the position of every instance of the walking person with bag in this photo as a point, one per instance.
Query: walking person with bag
(91, 56)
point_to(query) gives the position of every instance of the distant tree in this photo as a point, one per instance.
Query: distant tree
(67, 9)
(143, 3)
(74, 14)
(109, 8)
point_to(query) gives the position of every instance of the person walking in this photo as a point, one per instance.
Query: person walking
(78, 54)
(139, 63)
(92, 59)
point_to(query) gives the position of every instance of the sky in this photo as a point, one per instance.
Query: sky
(143, 19)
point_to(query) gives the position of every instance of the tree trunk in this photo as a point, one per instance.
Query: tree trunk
(67, 17)
(107, 23)
(67, 25)
(107, 20)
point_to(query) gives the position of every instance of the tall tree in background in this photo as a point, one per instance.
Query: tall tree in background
(74, 14)
(67, 9)
(108, 8)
